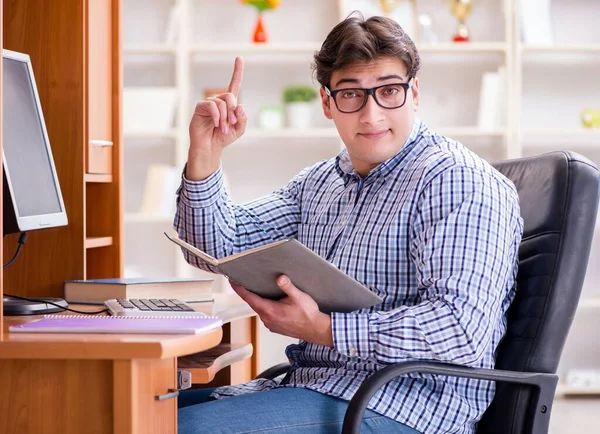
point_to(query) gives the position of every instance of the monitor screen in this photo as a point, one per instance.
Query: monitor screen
(30, 175)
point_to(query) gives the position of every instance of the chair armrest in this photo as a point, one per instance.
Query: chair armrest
(545, 385)
(274, 371)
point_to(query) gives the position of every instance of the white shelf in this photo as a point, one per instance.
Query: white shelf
(461, 132)
(171, 134)
(467, 47)
(561, 49)
(146, 218)
(241, 49)
(565, 390)
(568, 132)
(326, 133)
(291, 133)
(311, 47)
(589, 302)
(149, 49)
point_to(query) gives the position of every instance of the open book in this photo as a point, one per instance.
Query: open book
(257, 270)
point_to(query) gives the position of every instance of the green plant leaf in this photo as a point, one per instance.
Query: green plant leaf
(299, 93)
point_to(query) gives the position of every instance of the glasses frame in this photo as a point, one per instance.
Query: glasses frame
(372, 91)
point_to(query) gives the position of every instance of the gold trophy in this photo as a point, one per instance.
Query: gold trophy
(388, 6)
(461, 10)
(406, 16)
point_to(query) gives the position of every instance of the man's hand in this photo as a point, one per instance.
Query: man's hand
(217, 122)
(296, 315)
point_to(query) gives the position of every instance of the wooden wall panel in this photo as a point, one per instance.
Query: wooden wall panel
(118, 208)
(52, 33)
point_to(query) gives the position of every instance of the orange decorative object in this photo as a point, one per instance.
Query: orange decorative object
(260, 34)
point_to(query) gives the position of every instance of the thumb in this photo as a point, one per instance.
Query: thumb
(287, 286)
(242, 119)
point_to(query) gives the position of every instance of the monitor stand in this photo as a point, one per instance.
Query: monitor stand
(37, 306)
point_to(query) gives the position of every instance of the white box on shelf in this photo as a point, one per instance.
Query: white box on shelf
(158, 198)
(536, 24)
(149, 109)
(173, 24)
(492, 100)
(583, 378)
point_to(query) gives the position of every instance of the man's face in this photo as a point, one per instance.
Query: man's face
(373, 134)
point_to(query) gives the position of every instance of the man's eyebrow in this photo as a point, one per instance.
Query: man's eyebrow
(388, 77)
(355, 81)
(347, 80)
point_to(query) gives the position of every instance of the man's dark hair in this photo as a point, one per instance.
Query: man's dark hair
(356, 40)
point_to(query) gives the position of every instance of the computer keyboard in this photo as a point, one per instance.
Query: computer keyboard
(155, 307)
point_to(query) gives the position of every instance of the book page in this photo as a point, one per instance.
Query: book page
(199, 253)
(213, 261)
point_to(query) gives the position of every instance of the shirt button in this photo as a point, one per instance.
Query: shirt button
(352, 350)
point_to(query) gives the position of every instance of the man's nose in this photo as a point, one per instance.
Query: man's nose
(371, 113)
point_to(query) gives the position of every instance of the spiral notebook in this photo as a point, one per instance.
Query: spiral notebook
(120, 325)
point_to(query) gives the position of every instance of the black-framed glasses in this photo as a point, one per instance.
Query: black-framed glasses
(389, 96)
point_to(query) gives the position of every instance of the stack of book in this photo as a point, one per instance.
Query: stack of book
(97, 291)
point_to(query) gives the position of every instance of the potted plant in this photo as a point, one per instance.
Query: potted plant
(299, 105)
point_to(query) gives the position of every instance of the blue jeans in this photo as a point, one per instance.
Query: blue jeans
(282, 411)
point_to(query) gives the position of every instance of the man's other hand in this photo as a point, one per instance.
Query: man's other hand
(296, 315)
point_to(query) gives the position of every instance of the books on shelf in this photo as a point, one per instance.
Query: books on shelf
(492, 100)
(536, 22)
(97, 291)
(158, 196)
(173, 25)
(118, 325)
(257, 270)
(149, 109)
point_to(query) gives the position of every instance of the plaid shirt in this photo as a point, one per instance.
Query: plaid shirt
(434, 231)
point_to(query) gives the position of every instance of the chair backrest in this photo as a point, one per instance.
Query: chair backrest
(558, 195)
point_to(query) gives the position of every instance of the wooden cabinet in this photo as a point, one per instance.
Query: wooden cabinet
(136, 386)
(99, 58)
(119, 396)
(91, 383)
(74, 47)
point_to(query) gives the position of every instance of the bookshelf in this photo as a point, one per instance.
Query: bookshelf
(202, 57)
(78, 73)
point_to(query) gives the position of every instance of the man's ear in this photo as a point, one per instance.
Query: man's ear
(415, 93)
(325, 103)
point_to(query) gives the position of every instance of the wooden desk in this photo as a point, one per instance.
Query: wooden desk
(235, 360)
(80, 383)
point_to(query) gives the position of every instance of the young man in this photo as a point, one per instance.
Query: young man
(423, 222)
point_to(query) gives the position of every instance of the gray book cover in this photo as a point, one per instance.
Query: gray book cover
(257, 270)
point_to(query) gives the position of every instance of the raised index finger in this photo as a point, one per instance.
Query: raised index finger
(236, 78)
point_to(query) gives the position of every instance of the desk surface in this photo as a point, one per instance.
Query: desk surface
(104, 346)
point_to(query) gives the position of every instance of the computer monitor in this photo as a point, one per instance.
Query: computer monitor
(32, 197)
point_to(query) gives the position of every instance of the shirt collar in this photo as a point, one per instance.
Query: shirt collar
(344, 165)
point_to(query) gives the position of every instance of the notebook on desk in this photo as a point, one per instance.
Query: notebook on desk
(118, 325)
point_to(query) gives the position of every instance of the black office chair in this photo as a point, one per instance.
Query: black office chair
(558, 194)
